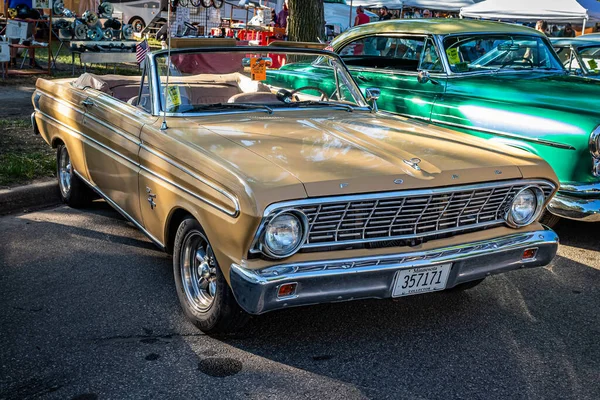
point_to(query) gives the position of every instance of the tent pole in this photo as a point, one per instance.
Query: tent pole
(350, 16)
(583, 27)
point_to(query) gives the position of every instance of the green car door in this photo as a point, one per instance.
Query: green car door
(392, 64)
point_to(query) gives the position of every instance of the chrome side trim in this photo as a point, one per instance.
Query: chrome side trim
(120, 210)
(505, 134)
(87, 115)
(208, 183)
(74, 132)
(233, 214)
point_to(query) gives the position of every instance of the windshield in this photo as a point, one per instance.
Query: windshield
(492, 52)
(253, 79)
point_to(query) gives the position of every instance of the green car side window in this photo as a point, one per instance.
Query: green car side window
(430, 58)
(403, 53)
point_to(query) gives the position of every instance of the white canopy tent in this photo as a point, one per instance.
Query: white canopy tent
(393, 4)
(442, 5)
(527, 10)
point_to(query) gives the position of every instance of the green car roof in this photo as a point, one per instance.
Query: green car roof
(579, 41)
(436, 26)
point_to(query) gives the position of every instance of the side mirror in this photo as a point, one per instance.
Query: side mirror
(372, 96)
(423, 77)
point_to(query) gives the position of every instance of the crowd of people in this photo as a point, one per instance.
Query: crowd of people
(554, 31)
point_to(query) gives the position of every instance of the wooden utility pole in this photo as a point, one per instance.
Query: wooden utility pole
(306, 21)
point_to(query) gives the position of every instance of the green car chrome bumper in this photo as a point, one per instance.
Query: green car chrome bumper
(579, 202)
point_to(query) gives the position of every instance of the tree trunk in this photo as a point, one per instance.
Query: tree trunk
(306, 21)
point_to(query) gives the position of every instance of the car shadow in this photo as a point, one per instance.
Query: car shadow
(584, 235)
(513, 329)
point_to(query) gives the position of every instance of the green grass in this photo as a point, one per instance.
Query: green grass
(17, 168)
(23, 155)
(14, 123)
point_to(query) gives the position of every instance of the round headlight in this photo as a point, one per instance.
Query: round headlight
(284, 234)
(525, 207)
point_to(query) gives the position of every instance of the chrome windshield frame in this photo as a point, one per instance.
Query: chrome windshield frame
(156, 87)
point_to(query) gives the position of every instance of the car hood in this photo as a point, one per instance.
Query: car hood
(336, 152)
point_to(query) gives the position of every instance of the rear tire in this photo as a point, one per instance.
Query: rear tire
(73, 191)
(466, 286)
(549, 219)
(203, 292)
(138, 25)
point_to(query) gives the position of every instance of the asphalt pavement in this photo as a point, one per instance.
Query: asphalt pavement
(88, 310)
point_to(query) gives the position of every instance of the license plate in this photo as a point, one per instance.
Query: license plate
(421, 280)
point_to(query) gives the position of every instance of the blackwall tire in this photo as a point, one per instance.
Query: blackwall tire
(549, 219)
(201, 287)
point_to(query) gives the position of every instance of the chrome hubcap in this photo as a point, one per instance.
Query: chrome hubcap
(64, 172)
(198, 271)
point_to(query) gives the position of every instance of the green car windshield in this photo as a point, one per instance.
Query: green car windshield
(494, 52)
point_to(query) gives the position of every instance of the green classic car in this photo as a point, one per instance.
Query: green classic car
(580, 55)
(497, 81)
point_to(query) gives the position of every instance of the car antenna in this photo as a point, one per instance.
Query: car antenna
(164, 126)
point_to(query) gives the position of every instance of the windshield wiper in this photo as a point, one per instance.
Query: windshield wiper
(243, 106)
(346, 107)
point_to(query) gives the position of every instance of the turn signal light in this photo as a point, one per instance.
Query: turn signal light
(529, 254)
(286, 290)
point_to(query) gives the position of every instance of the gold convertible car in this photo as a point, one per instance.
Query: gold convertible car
(271, 194)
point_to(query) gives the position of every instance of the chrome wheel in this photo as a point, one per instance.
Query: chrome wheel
(198, 271)
(65, 172)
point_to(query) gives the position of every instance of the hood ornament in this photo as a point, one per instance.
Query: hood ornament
(398, 181)
(414, 163)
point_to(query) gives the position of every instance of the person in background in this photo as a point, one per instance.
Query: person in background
(283, 15)
(384, 14)
(567, 31)
(541, 26)
(426, 13)
(274, 18)
(554, 31)
(361, 17)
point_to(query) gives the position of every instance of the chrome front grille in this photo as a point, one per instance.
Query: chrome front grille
(410, 214)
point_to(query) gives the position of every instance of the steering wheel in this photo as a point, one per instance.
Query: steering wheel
(511, 62)
(323, 94)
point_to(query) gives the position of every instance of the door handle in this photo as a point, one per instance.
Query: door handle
(87, 103)
(363, 78)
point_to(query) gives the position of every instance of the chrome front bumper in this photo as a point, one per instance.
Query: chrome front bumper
(579, 202)
(372, 277)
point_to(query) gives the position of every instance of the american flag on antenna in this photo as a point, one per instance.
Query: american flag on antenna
(141, 48)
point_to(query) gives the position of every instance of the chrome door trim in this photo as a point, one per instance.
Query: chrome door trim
(208, 183)
(505, 134)
(121, 211)
(125, 135)
(74, 132)
(233, 214)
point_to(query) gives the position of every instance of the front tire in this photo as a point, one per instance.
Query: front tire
(73, 191)
(203, 292)
(549, 219)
